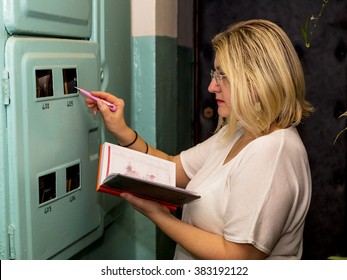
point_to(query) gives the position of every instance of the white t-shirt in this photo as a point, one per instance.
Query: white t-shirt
(260, 197)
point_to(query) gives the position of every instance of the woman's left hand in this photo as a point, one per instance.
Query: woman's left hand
(147, 207)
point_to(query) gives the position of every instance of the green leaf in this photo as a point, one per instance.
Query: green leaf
(304, 33)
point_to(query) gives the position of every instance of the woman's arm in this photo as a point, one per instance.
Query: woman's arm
(200, 243)
(115, 123)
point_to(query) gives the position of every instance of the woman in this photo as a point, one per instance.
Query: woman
(253, 175)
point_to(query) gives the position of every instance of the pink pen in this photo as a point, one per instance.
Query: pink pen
(96, 99)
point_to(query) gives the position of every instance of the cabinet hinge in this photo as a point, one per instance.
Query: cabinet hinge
(11, 238)
(6, 87)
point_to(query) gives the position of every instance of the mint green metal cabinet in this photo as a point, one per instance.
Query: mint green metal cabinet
(52, 147)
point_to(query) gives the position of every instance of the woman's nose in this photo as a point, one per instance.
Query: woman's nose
(213, 87)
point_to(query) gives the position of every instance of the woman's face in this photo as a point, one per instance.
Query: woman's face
(221, 89)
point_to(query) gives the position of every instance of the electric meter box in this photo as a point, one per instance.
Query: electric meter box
(53, 146)
(63, 18)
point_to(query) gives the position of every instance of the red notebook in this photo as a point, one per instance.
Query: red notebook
(124, 170)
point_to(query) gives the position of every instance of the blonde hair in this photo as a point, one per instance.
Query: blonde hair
(266, 78)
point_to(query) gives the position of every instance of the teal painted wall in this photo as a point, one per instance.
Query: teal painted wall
(143, 101)
(162, 101)
(154, 114)
(154, 100)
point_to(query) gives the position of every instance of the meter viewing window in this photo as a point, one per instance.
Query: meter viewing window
(47, 187)
(72, 178)
(44, 83)
(70, 80)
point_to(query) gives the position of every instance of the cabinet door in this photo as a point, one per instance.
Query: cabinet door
(53, 146)
(61, 18)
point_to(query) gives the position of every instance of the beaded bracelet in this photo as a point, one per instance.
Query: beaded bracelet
(131, 142)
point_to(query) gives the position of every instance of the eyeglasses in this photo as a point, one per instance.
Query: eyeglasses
(217, 76)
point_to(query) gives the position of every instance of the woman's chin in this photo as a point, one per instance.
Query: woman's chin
(223, 112)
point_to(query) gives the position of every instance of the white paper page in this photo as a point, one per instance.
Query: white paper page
(132, 163)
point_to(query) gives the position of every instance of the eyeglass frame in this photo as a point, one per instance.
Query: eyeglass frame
(217, 76)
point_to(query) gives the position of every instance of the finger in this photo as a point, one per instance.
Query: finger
(95, 110)
(144, 206)
(118, 102)
(92, 105)
(138, 203)
(105, 96)
(89, 101)
(130, 198)
(103, 108)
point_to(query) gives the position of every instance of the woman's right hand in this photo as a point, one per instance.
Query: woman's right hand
(114, 121)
